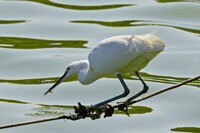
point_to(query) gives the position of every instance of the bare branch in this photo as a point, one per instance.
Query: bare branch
(101, 109)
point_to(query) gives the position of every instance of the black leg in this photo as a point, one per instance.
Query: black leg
(144, 90)
(126, 103)
(95, 108)
(124, 94)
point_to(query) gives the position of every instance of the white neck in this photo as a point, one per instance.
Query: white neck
(86, 74)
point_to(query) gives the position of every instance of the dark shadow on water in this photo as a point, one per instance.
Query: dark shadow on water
(165, 79)
(33, 43)
(13, 101)
(56, 110)
(166, 1)
(12, 21)
(145, 76)
(76, 7)
(187, 129)
(128, 23)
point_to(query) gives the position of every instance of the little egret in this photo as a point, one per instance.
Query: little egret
(118, 55)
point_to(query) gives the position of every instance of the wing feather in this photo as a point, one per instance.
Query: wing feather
(112, 54)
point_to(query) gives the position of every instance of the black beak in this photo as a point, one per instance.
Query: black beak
(57, 83)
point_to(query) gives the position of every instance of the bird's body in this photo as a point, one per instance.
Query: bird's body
(123, 54)
(119, 55)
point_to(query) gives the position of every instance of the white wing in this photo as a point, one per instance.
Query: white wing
(115, 53)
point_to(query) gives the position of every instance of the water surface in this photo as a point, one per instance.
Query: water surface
(39, 38)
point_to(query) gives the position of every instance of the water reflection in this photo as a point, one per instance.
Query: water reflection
(128, 23)
(54, 110)
(76, 7)
(187, 129)
(57, 111)
(13, 101)
(165, 1)
(145, 76)
(31, 43)
(12, 21)
(51, 110)
(165, 79)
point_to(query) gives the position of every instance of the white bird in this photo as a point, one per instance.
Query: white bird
(118, 55)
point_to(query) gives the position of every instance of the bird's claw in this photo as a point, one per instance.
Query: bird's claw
(109, 111)
(123, 106)
(89, 111)
(93, 111)
(81, 111)
(94, 108)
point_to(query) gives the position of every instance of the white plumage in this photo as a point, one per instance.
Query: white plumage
(125, 55)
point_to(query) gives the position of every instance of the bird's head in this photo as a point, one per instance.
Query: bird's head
(71, 72)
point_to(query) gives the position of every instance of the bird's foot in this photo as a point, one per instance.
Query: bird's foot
(81, 110)
(91, 111)
(109, 111)
(123, 106)
(94, 112)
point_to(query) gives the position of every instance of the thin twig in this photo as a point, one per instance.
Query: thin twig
(31, 122)
(102, 109)
(70, 117)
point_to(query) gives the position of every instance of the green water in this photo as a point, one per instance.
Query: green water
(39, 38)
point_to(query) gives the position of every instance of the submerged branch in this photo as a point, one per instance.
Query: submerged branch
(83, 112)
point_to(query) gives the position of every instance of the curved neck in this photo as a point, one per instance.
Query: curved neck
(86, 74)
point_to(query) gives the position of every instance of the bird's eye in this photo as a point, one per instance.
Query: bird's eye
(68, 68)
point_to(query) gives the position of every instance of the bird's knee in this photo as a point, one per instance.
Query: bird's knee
(126, 92)
(145, 89)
